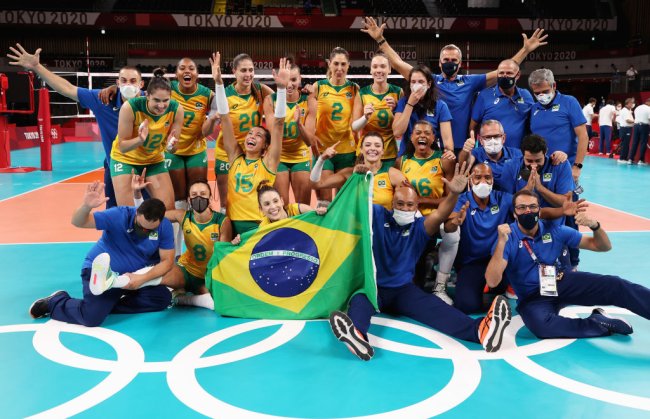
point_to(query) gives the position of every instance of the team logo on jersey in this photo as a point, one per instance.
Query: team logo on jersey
(520, 100)
(546, 238)
(381, 183)
(214, 236)
(431, 113)
(434, 169)
(547, 177)
(406, 232)
(188, 231)
(407, 170)
(348, 95)
(555, 108)
(235, 106)
(198, 105)
(326, 94)
(255, 166)
(302, 112)
(460, 82)
(496, 101)
(166, 124)
(153, 235)
(494, 209)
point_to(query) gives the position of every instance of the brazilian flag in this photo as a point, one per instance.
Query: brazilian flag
(303, 267)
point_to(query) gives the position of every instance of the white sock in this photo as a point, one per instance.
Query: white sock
(447, 250)
(323, 203)
(122, 280)
(178, 231)
(200, 300)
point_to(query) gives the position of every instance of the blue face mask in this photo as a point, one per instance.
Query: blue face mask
(449, 68)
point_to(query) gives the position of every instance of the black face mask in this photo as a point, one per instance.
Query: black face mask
(139, 230)
(199, 203)
(528, 220)
(506, 83)
(449, 68)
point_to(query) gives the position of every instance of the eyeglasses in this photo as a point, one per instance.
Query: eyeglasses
(532, 207)
(492, 137)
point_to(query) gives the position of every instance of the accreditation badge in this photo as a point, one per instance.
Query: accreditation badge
(547, 280)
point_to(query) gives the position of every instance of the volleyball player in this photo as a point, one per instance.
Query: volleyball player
(379, 101)
(386, 177)
(336, 98)
(147, 126)
(245, 98)
(257, 160)
(295, 160)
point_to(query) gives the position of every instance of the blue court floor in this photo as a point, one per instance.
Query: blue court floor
(189, 362)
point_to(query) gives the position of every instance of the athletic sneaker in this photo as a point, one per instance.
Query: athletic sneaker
(345, 331)
(440, 288)
(642, 163)
(613, 324)
(494, 324)
(40, 308)
(101, 275)
(622, 161)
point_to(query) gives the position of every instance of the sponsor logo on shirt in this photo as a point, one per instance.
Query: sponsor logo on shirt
(199, 105)
(348, 95)
(188, 231)
(381, 183)
(235, 106)
(521, 244)
(496, 101)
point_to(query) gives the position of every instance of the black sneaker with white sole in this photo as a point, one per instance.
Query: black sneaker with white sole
(40, 308)
(345, 331)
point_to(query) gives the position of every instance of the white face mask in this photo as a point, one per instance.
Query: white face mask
(482, 190)
(403, 218)
(129, 91)
(416, 87)
(493, 147)
(545, 98)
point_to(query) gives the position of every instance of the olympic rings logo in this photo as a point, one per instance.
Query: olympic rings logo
(302, 22)
(182, 380)
(120, 19)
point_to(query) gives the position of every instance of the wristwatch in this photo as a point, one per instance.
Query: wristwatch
(578, 165)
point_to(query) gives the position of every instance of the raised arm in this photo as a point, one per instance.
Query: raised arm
(600, 241)
(93, 198)
(272, 155)
(496, 266)
(229, 141)
(31, 62)
(125, 140)
(377, 33)
(455, 187)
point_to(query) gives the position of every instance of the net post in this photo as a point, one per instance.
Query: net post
(45, 128)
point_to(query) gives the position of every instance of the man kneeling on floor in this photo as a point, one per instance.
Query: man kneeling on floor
(528, 250)
(138, 243)
(398, 240)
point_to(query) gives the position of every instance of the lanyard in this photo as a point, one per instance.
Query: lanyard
(530, 251)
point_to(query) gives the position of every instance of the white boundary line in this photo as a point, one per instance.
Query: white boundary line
(614, 209)
(49, 184)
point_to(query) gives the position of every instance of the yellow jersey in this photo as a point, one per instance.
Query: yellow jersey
(382, 190)
(294, 149)
(244, 177)
(199, 240)
(195, 108)
(152, 151)
(291, 209)
(334, 115)
(245, 113)
(425, 175)
(381, 120)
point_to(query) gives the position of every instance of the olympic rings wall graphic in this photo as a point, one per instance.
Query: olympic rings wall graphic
(181, 370)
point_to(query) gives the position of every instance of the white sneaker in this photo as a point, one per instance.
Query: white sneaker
(440, 289)
(630, 162)
(621, 161)
(101, 275)
(642, 163)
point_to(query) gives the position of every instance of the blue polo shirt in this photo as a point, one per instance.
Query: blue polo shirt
(440, 114)
(479, 230)
(107, 115)
(396, 249)
(547, 245)
(129, 252)
(558, 179)
(459, 94)
(512, 112)
(556, 122)
(509, 153)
